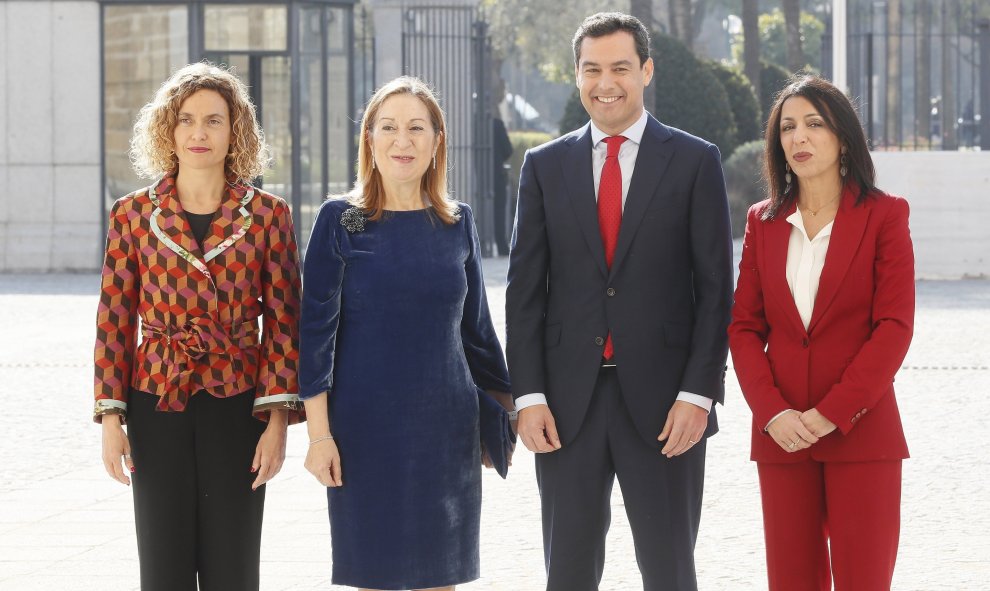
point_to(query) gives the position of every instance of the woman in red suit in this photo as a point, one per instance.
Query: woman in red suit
(823, 316)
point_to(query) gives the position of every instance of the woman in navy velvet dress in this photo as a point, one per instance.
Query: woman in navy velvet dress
(395, 338)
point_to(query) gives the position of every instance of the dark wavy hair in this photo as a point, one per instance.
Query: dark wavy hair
(606, 23)
(840, 117)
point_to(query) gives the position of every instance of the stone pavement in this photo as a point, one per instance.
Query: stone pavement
(65, 526)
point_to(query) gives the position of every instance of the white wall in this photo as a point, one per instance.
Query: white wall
(949, 193)
(50, 202)
(50, 194)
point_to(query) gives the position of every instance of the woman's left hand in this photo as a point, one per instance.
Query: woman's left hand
(817, 423)
(486, 460)
(270, 453)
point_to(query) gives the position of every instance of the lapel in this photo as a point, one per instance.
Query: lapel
(167, 221)
(651, 163)
(231, 222)
(580, 181)
(778, 236)
(847, 234)
(171, 227)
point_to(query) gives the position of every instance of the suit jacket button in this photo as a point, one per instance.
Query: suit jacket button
(599, 341)
(610, 292)
(805, 342)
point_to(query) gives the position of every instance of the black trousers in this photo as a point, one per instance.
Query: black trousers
(662, 498)
(194, 510)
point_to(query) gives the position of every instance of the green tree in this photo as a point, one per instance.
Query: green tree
(744, 184)
(792, 34)
(773, 41)
(689, 96)
(539, 31)
(680, 21)
(751, 41)
(772, 81)
(742, 100)
(643, 10)
(574, 114)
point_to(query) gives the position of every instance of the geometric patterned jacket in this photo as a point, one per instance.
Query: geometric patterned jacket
(197, 314)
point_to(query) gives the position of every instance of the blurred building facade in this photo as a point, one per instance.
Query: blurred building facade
(74, 73)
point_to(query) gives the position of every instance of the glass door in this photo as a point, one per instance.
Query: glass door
(268, 79)
(294, 61)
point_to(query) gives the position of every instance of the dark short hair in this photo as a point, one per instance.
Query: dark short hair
(606, 23)
(840, 117)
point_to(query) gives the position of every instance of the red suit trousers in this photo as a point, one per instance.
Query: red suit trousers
(825, 520)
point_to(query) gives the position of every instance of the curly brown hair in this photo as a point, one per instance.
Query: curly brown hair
(153, 145)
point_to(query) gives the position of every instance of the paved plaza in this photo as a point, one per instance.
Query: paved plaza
(66, 526)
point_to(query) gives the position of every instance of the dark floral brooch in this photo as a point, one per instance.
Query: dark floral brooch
(353, 219)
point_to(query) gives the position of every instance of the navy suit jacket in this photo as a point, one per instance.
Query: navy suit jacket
(666, 298)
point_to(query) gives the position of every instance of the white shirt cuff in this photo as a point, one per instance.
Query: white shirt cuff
(538, 398)
(777, 416)
(530, 400)
(703, 402)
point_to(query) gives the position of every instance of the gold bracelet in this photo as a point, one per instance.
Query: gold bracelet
(324, 438)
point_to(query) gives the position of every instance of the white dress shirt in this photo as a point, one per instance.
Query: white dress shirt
(805, 261)
(627, 163)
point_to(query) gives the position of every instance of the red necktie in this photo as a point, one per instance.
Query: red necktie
(610, 208)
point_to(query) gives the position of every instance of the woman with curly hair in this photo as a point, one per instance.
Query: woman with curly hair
(194, 263)
(396, 340)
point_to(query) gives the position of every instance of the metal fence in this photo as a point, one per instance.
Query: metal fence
(921, 70)
(364, 58)
(449, 47)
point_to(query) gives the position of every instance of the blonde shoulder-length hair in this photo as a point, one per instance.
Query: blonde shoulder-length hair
(369, 192)
(153, 143)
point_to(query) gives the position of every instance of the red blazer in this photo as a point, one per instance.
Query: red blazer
(223, 318)
(860, 329)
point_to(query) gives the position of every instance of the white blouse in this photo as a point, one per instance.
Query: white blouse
(805, 261)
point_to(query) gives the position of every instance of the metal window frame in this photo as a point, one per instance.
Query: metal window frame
(196, 51)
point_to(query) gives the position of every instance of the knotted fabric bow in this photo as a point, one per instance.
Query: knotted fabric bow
(199, 342)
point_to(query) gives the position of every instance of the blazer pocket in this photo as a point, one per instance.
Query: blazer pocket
(551, 336)
(677, 335)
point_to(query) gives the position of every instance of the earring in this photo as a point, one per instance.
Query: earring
(787, 178)
(434, 162)
(372, 163)
(843, 163)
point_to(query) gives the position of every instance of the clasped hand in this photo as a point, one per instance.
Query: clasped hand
(795, 430)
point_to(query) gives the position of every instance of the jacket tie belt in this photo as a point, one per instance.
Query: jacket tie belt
(200, 341)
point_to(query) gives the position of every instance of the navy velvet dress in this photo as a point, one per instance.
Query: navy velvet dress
(395, 325)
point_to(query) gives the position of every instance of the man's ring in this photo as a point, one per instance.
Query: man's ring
(127, 456)
(692, 441)
(792, 444)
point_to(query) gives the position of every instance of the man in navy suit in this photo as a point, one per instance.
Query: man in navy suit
(618, 299)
